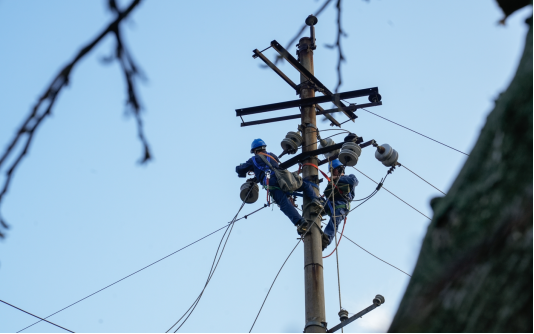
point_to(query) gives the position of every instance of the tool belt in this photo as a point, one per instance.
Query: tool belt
(343, 187)
(328, 207)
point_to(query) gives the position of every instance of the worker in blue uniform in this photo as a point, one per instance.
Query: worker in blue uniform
(343, 195)
(263, 172)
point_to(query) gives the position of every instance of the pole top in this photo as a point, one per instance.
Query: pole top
(311, 20)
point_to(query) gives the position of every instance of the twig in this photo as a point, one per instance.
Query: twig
(44, 105)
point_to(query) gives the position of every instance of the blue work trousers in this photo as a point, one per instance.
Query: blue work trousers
(281, 199)
(329, 230)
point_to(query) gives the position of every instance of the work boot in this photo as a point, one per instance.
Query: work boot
(302, 226)
(325, 241)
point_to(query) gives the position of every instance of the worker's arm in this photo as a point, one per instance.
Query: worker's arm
(244, 168)
(350, 180)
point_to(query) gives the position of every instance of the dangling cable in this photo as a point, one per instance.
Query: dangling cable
(214, 265)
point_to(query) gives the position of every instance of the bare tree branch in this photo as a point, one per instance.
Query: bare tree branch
(44, 105)
(288, 45)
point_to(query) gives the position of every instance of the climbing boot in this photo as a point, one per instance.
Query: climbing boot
(302, 226)
(325, 240)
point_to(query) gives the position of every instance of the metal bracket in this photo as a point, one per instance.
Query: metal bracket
(314, 323)
(377, 301)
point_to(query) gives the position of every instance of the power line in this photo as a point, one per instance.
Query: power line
(273, 284)
(33, 315)
(163, 258)
(376, 256)
(415, 131)
(393, 195)
(402, 165)
(193, 306)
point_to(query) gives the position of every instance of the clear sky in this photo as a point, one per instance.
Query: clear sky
(83, 214)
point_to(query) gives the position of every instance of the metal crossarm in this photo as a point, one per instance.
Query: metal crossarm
(291, 83)
(309, 76)
(307, 102)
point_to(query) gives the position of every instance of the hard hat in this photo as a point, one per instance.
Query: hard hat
(257, 143)
(336, 163)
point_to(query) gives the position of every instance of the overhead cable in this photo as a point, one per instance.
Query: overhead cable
(415, 132)
(402, 165)
(163, 258)
(283, 264)
(214, 266)
(376, 256)
(33, 315)
(392, 194)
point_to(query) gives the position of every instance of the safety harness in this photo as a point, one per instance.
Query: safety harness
(342, 193)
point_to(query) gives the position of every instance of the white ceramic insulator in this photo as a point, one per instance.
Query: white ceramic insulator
(389, 157)
(325, 143)
(350, 152)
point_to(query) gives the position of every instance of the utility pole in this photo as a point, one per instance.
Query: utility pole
(313, 255)
(315, 315)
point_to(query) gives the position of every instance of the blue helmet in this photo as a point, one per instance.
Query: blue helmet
(336, 163)
(257, 143)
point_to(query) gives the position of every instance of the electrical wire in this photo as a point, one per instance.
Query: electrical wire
(33, 315)
(377, 256)
(283, 264)
(415, 132)
(214, 266)
(264, 300)
(302, 147)
(391, 194)
(163, 258)
(402, 165)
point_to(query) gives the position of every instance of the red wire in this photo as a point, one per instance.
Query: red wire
(324, 257)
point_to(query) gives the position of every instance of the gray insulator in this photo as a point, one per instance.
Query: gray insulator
(291, 142)
(289, 145)
(379, 300)
(254, 193)
(296, 137)
(389, 157)
(343, 315)
(325, 143)
(350, 152)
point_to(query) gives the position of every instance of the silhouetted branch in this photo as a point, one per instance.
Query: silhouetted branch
(288, 45)
(44, 105)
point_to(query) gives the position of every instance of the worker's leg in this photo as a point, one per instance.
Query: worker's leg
(285, 205)
(307, 189)
(329, 229)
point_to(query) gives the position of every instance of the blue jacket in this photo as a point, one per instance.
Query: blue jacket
(258, 166)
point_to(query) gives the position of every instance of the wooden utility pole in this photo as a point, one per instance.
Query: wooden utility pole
(313, 255)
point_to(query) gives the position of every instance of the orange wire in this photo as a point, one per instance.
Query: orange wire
(324, 257)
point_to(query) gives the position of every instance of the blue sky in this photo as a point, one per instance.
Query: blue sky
(84, 214)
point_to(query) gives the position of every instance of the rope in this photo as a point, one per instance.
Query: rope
(33, 315)
(135, 272)
(377, 256)
(393, 195)
(421, 178)
(214, 266)
(414, 131)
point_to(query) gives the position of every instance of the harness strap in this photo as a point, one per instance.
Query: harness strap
(265, 154)
(310, 164)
